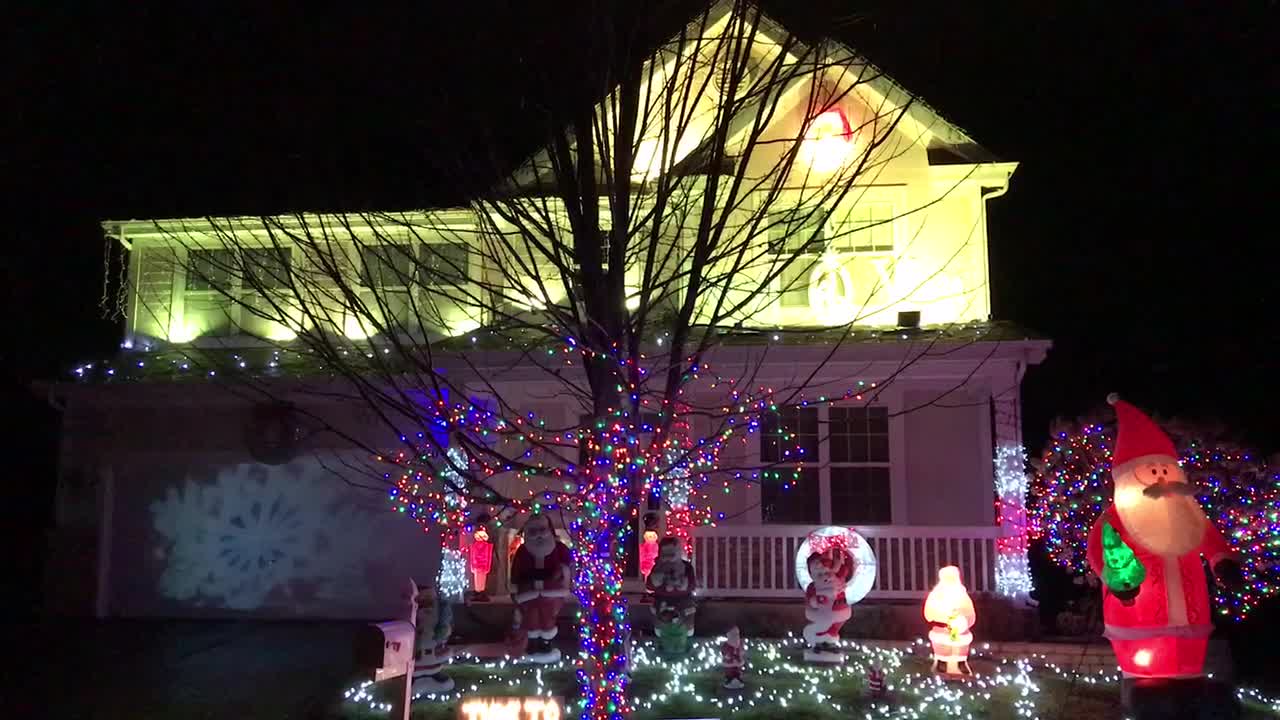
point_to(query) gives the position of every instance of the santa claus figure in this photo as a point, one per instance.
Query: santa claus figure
(826, 606)
(1146, 548)
(541, 576)
(433, 625)
(731, 659)
(672, 582)
(950, 610)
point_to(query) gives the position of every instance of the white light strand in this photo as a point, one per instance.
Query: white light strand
(452, 578)
(1013, 573)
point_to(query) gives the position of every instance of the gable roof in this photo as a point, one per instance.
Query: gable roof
(944, 141)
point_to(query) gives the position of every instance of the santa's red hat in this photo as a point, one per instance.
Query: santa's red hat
(1137, 436)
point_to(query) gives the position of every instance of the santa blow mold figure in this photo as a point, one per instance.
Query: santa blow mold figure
(1146, 548)
(950, 610)
(826, 607)
(541, 574)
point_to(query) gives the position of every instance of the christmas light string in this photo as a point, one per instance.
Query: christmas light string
(1017, 682)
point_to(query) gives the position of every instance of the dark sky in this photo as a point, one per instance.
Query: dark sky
(1137, 233)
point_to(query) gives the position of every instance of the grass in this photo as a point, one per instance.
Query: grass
(779, 685)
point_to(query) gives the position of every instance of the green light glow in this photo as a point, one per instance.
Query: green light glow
(1123, 571)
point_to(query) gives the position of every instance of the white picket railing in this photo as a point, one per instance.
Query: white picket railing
(758, 561)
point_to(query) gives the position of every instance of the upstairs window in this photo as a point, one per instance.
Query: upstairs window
(443, 265)
(386, 266)
(798, 237)
(210, 270)
(267, 268)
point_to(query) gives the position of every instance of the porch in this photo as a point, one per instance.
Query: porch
(759, 561)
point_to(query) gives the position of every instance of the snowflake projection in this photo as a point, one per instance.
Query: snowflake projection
(256, 530)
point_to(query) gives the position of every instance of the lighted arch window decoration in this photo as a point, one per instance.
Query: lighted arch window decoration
(828, 141)
(854, 545)
(831, 292)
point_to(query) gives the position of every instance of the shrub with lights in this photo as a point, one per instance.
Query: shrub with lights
(1237, 488)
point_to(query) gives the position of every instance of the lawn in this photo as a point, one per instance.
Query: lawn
(778, 684)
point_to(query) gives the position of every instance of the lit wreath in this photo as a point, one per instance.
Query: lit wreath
(854, 545)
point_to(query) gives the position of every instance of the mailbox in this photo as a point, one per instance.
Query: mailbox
(385, 650)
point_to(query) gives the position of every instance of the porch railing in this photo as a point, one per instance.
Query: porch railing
(758, 561)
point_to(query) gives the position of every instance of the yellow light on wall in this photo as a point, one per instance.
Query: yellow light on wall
(828, 142)
(353, 328)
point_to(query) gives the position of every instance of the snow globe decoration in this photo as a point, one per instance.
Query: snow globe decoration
(836, 568)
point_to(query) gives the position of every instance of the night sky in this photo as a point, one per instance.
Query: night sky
(1136, 234)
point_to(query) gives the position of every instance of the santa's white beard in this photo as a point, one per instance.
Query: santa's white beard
(1171, 526)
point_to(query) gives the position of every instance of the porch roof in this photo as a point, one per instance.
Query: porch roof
(221, 359)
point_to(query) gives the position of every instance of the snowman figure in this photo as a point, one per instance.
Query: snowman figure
(432, 627)
(672, 582)
(826, 607)
(731, 659)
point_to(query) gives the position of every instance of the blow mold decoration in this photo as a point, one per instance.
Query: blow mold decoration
(949, 609)
(1146, 547)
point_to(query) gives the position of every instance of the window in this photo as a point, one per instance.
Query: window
(846, 476)
(210, 271)
(443, 265)
(859, 434)
(385, 266)
(791, 496)
(788, 493)
(798, 237)
(791, 434)
(227, 291)
(868, 227)
(267, 268)
(860, 496)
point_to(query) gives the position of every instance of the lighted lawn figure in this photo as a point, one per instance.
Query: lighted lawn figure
(950, 610)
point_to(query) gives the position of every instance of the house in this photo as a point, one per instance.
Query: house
(188, 488)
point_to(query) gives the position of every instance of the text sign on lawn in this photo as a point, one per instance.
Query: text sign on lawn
(510, 708)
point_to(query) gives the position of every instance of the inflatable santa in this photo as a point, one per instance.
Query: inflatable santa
(826, 605)
(541, 576)
(433, 624)
(949, 609)
(1147, 548)
(672, 582)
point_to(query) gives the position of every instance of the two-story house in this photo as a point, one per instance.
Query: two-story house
(179, 497)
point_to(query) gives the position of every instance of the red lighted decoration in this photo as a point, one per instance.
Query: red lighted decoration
(481, 558)
(828, 141)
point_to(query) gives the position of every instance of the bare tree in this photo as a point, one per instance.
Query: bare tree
(712, 189)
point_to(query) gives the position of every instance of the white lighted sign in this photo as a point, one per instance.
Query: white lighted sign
(510, 708)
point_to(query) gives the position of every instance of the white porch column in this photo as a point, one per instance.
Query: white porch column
(1013, 577)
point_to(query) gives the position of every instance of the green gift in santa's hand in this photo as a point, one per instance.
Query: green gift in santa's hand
(1122, 571)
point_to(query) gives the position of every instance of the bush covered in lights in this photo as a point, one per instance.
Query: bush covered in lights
(1237, 489)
